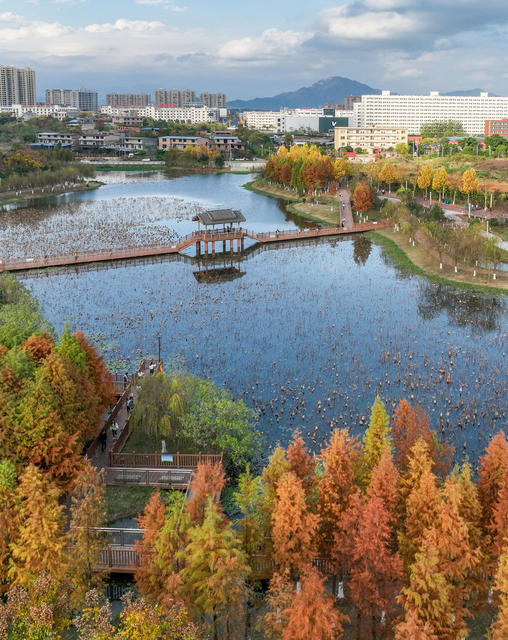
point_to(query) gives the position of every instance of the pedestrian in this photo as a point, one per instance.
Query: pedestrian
(114, 430)
(152, 367)
(125, 380)
(103, 439)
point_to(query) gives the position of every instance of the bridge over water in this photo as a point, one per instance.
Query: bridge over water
(206, 242)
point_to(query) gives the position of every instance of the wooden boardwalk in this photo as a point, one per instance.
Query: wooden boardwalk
(194, 238)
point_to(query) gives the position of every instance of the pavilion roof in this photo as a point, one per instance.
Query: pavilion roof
(220, 216)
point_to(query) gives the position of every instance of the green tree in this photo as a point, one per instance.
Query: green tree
(442, 129)
(214, 574)
(377, 438)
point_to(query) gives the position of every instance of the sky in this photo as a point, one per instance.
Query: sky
(257, 48)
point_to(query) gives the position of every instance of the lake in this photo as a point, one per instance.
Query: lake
(307, 333)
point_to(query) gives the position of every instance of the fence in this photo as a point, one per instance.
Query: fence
(168, 478)
(162, 460)
(120, 559)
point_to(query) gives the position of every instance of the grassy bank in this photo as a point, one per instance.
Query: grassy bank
(39, 193)
(417, 260)
(270, 190)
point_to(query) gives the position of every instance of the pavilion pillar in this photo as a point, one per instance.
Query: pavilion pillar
(223, 246)
(206, 247)
(213, 247)
(198, 248)
(242, 243)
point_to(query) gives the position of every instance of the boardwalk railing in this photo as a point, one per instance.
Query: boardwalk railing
(162, 460)
(119, 559)
(113, 415)
(135, 476)
(104, 255)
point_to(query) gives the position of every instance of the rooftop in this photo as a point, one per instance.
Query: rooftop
(220, 216)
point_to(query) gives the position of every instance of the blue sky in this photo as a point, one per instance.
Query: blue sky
(257, 48)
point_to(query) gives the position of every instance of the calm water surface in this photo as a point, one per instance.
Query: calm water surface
(305, 333)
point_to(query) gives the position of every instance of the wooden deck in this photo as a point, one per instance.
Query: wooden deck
(138, 477)
(196, 238)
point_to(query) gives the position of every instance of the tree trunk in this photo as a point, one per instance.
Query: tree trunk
(214, 627)
(373, 628)
(358, 626)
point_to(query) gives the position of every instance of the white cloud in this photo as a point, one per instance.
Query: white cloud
(166, 4)
(370, 25)
(270, 44)
(124, 25)
(111, 45)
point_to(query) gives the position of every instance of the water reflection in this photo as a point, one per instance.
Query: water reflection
(362, 248)
(464, 308)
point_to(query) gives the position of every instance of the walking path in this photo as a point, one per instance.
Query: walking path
(345, 209)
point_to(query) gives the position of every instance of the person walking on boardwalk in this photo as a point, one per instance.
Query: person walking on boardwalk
(103, 439)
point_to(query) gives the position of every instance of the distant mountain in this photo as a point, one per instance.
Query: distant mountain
(467, 92)
(332, 90)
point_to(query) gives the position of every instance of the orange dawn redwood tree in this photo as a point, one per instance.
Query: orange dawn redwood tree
(151, 521)
(294, 527)
(207, 483)
(336, 487)
(300, 462)
(499, 628)
(376, 570)
(40, 543)
(421, 501)
(362, 197)
(312, 613)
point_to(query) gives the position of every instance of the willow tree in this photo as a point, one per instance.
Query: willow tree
(160, 406)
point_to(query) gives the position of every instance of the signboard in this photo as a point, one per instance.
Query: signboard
(166, 457)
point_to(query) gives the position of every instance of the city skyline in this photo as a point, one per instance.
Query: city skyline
(142, 45)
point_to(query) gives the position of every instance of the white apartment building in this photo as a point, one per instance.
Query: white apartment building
(369, 138)
(16, 86)
(36, 110)
(189, 115)
(285, 120)
(411, 112)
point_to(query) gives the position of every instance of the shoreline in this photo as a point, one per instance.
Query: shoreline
(153, 168)
(402, 256)
(92, 184)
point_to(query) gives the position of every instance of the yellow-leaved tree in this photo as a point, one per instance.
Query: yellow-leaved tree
(469, 183)
(424, 179)
(440, 182)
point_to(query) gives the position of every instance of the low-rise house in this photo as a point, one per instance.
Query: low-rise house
(140, 143)
(180, 142)
(53, 139)
(93, 139)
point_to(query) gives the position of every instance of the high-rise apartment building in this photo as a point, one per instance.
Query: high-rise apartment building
(82, 99)
(59, 96)
(411, 112)
(17, 86)
(176, 97)
(128, 99)
(213, 100)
